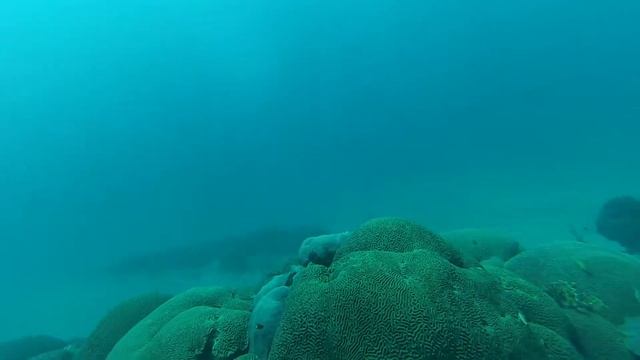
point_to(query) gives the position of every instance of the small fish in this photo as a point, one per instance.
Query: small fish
(522, 318)
(259, 326)
(636, 292)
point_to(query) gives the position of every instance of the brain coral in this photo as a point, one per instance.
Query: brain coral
(202, 323)
(396, 235)
(597, 338)
(608, 279)
(405, 305)
(520, 296)
(117, 323)
(483, 244)
(542, 343)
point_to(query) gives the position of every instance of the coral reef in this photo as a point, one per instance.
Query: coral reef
(597, 275)
(567, 295)
(117, 323)
(535, 306)
(542, 343)
(391, 289)
(412, 305)
(202, 323)
(395, 292)
(397, 235)
(597, 338)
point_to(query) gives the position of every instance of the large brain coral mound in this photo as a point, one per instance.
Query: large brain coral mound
(531, 302)
(483, 244)
(396, 235)
(409, 305)
(200, 324)
(605, 281)
(117, 323)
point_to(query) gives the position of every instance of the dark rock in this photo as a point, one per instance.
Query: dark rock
(619, 221)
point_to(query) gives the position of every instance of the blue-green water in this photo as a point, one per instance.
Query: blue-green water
(133, 127)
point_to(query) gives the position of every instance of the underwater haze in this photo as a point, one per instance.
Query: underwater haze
(160, 145)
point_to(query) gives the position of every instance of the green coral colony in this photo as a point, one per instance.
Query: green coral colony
(392, 289)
